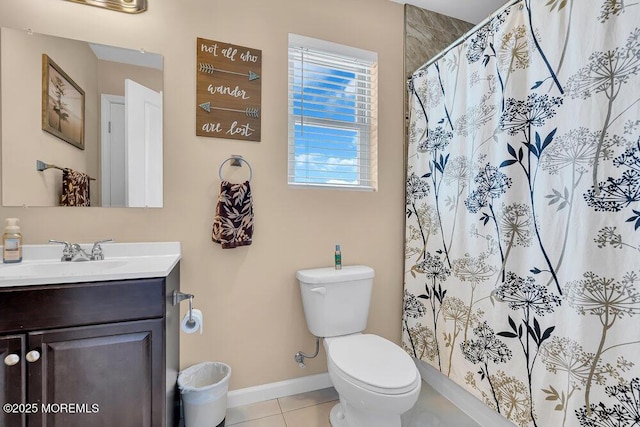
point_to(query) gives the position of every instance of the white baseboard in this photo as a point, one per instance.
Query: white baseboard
(260, 393)
(465, 401)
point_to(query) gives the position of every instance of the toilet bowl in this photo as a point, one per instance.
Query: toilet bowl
(376, 380)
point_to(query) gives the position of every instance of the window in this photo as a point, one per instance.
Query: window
(332, 115)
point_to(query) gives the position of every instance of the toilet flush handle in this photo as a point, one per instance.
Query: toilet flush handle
(320, 290)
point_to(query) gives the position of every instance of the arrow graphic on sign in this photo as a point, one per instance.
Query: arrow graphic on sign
(210, 69)
(249, 111)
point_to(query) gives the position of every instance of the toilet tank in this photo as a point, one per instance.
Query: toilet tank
(336, 302)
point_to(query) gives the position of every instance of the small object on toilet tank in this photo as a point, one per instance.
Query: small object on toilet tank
(338, 258)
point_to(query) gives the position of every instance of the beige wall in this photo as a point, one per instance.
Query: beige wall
(111, 77)
(249, 296)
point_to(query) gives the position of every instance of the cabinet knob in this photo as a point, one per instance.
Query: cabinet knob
(11, 359)
(33, 356)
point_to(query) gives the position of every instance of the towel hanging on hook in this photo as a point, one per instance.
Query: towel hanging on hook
(235, 161)
(233, 220)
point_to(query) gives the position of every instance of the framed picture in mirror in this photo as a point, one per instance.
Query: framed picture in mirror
(62, 104)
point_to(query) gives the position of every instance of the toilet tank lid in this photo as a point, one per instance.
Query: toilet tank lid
(331, 275)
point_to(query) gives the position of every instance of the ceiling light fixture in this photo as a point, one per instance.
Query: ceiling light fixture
(128, 6)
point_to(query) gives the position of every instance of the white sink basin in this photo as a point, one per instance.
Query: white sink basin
(41, 264)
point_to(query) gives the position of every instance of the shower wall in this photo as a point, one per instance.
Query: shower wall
(426, 34)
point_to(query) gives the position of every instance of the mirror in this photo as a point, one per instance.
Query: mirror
(43, 81)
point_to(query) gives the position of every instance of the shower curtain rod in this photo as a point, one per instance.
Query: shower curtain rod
(469, 33)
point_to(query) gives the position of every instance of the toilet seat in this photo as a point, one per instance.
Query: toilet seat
(373, 363)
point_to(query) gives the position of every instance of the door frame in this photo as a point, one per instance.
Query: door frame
(106, 100)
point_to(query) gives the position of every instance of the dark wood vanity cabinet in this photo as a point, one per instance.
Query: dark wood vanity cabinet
(12, 379)
(90, 354)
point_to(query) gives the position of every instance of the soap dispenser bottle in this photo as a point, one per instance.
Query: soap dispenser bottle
(12, 242)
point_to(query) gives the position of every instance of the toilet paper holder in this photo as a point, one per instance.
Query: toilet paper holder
(178, 297)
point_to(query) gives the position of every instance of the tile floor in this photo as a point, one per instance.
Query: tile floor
(312, 410)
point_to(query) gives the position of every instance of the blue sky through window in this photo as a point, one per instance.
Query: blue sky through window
(325, 155)
(326, 143)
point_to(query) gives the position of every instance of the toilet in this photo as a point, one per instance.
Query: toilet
(376, 380)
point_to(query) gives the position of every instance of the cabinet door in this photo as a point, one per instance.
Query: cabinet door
(12, 380)
(99, 376)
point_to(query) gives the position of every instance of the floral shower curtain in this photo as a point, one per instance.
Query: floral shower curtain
(522, 279)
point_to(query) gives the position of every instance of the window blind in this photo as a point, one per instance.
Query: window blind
(332, 115)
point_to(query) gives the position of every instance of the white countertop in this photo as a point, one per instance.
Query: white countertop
(41, 264)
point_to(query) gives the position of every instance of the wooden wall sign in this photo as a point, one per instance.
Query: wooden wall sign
(228, 91)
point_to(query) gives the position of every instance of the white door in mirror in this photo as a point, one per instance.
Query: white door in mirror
(143, 121)
(112, 145)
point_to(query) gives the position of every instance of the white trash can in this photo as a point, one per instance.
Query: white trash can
(203, 388)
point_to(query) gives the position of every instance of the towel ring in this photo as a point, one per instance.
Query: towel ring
(235, 161)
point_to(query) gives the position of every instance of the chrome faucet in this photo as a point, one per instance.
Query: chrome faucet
(73, 252)
(78, 254)
(66, 251)
(96, 250)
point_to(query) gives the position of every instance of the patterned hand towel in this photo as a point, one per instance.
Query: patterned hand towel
(75, 188)
(233, 222)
